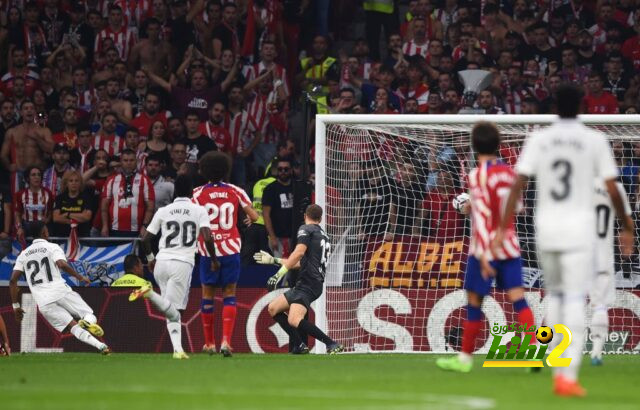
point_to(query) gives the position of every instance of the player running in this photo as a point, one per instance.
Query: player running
(603, 291)
(222, 201)
(63, 308)
(310, 255)
(565, 160)
(180, 223)
(488, 184)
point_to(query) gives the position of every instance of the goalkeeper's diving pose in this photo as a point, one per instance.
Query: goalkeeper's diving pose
(310, 255)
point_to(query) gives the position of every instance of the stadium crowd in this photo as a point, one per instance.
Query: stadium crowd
(104, 103)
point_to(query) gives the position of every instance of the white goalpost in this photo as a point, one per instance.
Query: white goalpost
(394, 280)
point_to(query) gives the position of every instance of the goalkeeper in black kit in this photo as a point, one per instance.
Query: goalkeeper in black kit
(310, 255)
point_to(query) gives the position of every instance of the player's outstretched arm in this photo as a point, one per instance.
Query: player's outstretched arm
(64, 265)
(626, 234)
(14, 291)
(293, 261)
(251, 213)
(509, 209)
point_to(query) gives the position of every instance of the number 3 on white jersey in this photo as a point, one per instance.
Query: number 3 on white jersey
(223, 215)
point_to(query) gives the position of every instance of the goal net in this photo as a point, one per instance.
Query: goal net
(395, 278)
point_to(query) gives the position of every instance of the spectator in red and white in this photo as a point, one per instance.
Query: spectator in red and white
(81, 157)
(417, 89)
(417, 41)
(631, 47)
(33, 203)
(106, 138)
(617, 80)
(18, 68)
(135, 12)
(127, 202)
(31, 37)
(515, 92)
(439, 220)
(486, 102)
(86, 94)
(123, 37)
(268, 109)
(68, 136)
(245, 135)
(268, 55)
(156, 143)
(163, 189)
(214, 128)
(598, 101)
(52, 176)
(604, 17)
(197, 144)
(151, 112)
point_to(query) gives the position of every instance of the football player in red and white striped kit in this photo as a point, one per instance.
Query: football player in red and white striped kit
(489, 186)
(34, 203)
(222, 201)
(127, 200)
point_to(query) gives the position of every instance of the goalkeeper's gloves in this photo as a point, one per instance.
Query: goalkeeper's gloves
(264, 258)
(273, 281)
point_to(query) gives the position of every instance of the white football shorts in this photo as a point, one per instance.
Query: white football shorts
(63, 311)
(174, 279)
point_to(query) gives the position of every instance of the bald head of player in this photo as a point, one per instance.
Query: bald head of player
(569, 100)
(485, 138)
(183, 187)
(37, 230)
(313, 214)
(214, 166)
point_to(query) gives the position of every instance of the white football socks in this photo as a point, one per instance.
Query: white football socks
(554, 316)
(175, 333)
(599, 329)
(164, 306)
(86, 337)
(574, 316)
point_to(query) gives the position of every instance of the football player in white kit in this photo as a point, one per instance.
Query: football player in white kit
(603, 291)
(565, 159)
(180, 223)
(63, 308)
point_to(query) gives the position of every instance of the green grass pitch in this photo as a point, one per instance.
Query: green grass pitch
(391, 381)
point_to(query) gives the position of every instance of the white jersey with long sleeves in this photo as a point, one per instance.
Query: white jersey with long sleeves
(180, 223)
(38, 262)
(565, 159)
(605, 216)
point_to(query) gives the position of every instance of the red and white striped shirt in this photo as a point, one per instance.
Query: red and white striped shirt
(219, 135)
(459, 52)
(412, 49)
(134, 11)
(421, 94)
(34, 206)
(513, 100)
(242, 127)
(87, 98)
(113, 144)
(222, 201)
(489, 187)
(258, 109)
(280, 73)
(123, 39)
(127, 200)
